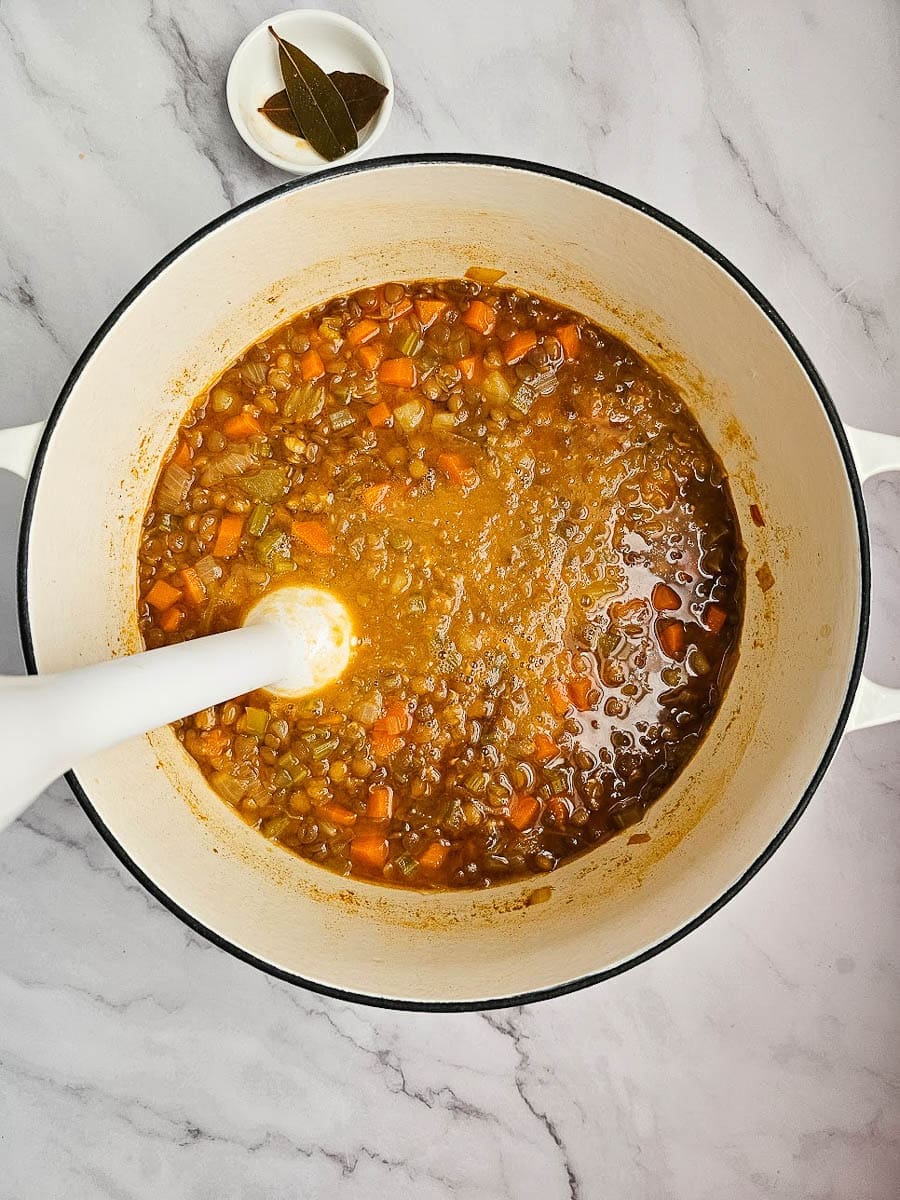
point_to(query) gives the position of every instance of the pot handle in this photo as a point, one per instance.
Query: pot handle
(18, 447)
(873, 453)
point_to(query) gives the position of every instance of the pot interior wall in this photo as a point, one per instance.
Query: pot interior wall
(674, 304)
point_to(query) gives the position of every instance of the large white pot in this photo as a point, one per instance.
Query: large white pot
(761, 404)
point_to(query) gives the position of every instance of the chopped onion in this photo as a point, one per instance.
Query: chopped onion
(495, 388)
(209, 571)
(174, 487)
(409, 414)
(228, 786)
(234, 462)
(254, 373)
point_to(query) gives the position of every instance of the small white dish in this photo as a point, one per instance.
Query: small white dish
(337, 44)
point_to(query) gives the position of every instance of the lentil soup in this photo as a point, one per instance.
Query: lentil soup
(538, 548)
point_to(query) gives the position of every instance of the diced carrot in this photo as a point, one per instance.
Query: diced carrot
(480, 316)
(171, 619)
(714, 617)
(671, 637)
(380, 803)
(162, 595)
(428, 311)
(362, 331)
(560, 809)
(469, 367)
(311, 365)
(398, 372)
(579, 690)
(228, 538)
(558, 696)
(384, 744)
(244, 425)
(544, 747)
(183, 455)
(664, 598)
(569, 338)
(369, 851)
(371, 355)
(518, 345)
(432, 858)
(313, 534)
(396, 719)
(457, 470)
(379, 414)
(374, 497)
(194, 589)
(522, 811)
(337, 814)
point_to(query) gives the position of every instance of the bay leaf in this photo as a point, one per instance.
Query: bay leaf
(362, 94)
(317, 105)
(278, 109)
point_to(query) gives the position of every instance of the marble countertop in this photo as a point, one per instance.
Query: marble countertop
(758, 1058)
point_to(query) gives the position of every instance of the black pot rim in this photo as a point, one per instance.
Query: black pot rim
(774, 317)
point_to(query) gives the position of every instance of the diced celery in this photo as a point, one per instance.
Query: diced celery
(323, 749)
(341, 418)
(268, 484)
(453, 818)
(259, 519)
(628, 816)
(522, 399)
(255, 721)
(275, 826)
(272, 545)
(411, 344)
(407, 864)
(291, 764)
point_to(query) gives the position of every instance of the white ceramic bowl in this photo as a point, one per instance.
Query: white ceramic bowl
(760, 403)
(337, 44)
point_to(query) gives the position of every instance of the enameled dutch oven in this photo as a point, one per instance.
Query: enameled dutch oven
(761, 404)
